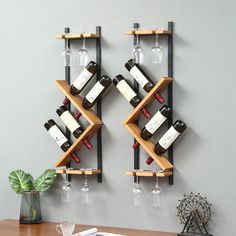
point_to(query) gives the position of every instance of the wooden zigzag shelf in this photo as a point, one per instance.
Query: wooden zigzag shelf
(132, 127)
(94, 122)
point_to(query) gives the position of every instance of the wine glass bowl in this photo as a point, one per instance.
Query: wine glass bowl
(156, 195)
(66, 191)
(67, 54)
(137, 194)
(83, 55)
(86, 191)
(138, 52)
(157, 52)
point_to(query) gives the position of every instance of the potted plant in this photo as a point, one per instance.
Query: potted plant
(23, 183)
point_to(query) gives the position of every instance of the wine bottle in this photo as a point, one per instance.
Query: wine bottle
(77, 115)
(171, 135)
(72, 124)
(59, 137)
(142, 78)
(84, 77)
(125, 89)
(155, 123)
(96, 92)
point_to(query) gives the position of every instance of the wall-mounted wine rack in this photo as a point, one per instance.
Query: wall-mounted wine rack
(94, 120)
(131, 123)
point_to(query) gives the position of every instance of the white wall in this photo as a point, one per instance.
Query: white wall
(204, 95)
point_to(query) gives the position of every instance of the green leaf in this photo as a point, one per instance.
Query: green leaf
(20, 181)
(46, 180)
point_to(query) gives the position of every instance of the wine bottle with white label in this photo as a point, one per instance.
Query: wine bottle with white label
(156, 122)
(84, 77)
(142, 78)
(129, 94)
(96, 92)
(72, 124)
(59, 137)
(171, 135)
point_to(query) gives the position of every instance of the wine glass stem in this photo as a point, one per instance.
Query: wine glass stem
(83, 46)
(156, 38)
(86, 180)
(157, 182)
(67, 44)
(137, 39)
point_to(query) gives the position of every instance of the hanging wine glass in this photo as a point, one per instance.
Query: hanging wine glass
(83, 55)
(67, 54)
(157, 52)
(137, 193)
(156, 194)
(138, 52)
(66, 192)
(86, 191)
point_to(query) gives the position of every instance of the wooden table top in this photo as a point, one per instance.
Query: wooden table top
(13, 228)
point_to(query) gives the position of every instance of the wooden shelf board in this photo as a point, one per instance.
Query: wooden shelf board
(79, 171)
(162, 161)
(89, 115)
(148, 32)
(148, 173)
(60, 171)
(78, 144)
(149, 98)
(76, 36)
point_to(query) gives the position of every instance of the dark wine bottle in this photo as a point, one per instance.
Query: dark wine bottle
(142, 78)
(96, 92)
(155, 123)
(171, 135)
(125, 89)
(59, 137)
(77, 115)
(72, 124)
(84, 77)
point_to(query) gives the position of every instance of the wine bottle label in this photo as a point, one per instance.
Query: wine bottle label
(57, 135)
(126, 90)
(139, 77)
(69, 121)
(82, 79)
(169, 137)
(94, 92)
(157, 120)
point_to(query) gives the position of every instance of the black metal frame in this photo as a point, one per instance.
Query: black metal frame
(67, 78)
(170, 93)
(99, 105)
(136, 89)
(170, 99)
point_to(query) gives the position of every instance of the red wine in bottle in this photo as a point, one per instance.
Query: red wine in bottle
(66, 101)
(72, 124)
(142, 78)
(59, 137)
(171, 135)
(84, 77)
(129, 94)
(96, 92)
(155, 123)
